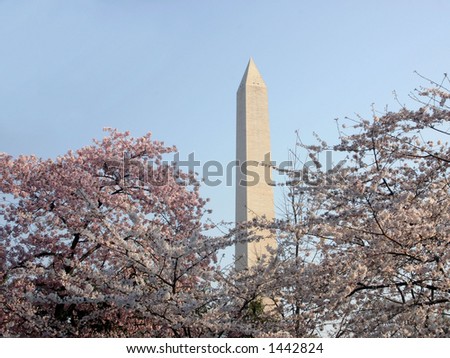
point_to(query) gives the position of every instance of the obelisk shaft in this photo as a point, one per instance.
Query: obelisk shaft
(254, 195)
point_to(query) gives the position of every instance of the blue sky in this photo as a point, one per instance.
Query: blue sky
(70, 68)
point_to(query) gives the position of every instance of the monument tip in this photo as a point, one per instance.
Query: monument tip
(252, 76)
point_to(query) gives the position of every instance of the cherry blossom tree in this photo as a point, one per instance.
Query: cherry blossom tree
(104, 241)
(378, 229)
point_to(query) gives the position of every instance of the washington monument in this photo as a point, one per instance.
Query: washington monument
(254, 198)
